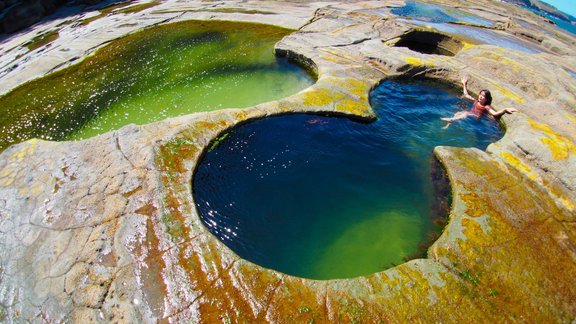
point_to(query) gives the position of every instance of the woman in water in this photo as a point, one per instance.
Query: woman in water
(480, 107)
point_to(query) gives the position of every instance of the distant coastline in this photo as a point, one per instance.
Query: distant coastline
(561, 19)
(564, 24)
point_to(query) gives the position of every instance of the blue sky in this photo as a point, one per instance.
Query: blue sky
(568, 6)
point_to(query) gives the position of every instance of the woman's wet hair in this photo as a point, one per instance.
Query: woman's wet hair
(488, 96)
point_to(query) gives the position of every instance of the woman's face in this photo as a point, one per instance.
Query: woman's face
(482, 98)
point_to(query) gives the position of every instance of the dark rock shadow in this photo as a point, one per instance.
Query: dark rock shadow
(20, 15)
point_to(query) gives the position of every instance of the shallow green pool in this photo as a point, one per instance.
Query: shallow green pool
(164, 71)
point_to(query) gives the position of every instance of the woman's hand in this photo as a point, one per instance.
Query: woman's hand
(501, 112)
(465, 79)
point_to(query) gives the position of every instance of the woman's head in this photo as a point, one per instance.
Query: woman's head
(485, 98)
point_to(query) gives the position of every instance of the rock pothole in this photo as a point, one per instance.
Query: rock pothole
(427, 42)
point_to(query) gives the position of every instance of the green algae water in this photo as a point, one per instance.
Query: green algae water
(326, 197)
(165, 71)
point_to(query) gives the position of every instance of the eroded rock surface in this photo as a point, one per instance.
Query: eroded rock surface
(106, 229)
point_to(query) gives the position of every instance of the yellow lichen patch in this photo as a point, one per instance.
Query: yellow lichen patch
(567, 203)
(6, 181)
(571, 117)
(510, 94)
(472, 230)
(354, 107)
(560, 147)
(475, 205)
(506, 264)
(380, 283)
(418, 62)
(7, 171)
(353, 86)
(522, 256)
(27, 150)
(498, 49)
(287, 106)
(419, 283)
(336, 59)
(203, 129)
(556, 191)
(515, 162)
(467, 46)
(339, 56)
(551, 188)
(203, 125)
(36, 189)
(503, 60)
(320, 97)
(240, 115)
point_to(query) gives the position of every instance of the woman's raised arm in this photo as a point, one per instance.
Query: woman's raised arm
(464, 85)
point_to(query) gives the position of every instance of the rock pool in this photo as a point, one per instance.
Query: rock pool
(165, 71)
(325, 197)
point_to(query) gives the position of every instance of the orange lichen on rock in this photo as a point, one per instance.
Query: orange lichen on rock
(523, 248)
(174, 161)
(475, 206)
(300, 301)
(172, 155)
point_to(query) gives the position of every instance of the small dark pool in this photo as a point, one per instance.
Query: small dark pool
(326, 197)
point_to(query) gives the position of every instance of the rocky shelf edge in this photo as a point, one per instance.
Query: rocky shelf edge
(106, 229)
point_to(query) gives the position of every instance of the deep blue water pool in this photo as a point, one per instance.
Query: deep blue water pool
(327, 197)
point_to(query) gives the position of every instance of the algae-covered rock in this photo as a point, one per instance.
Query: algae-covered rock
(106, 229)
